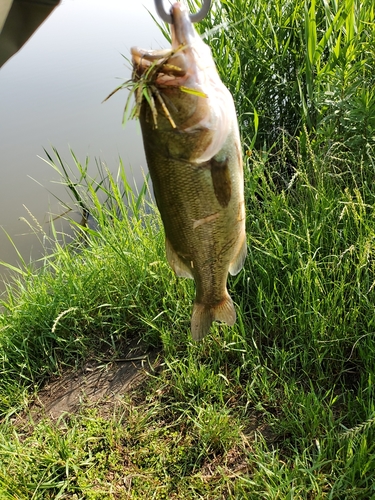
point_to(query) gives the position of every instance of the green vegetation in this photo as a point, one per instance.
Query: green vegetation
(281, 406)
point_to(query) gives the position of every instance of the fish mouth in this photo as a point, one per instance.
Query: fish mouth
(168, 66)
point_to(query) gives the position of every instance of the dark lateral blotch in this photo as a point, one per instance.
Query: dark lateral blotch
(221, 181)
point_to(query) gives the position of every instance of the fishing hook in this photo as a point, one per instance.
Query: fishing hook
(194, 18)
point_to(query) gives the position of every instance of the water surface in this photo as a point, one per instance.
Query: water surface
(51, 94)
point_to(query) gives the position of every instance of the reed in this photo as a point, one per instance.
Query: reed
(295, 63)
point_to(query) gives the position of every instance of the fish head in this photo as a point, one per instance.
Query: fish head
(185, 93)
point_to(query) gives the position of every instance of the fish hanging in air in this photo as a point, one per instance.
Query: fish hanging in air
(192, 144)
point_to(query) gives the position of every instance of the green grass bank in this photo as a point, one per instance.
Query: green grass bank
(281, 406)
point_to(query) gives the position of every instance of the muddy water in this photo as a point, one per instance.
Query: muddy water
(51, 94)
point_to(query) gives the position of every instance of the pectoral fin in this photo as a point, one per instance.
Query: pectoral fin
(176, 263)
(237, 263)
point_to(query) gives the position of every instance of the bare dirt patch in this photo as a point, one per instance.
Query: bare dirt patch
(95, 382)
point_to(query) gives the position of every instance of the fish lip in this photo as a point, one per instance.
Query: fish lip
(183, 32)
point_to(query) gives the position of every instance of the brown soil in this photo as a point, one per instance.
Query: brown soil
(96, 382)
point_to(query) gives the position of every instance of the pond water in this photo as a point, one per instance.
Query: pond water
(51, 95)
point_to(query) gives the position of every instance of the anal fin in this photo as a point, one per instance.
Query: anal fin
(176, 263)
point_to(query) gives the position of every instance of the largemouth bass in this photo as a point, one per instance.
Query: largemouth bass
(192, 144)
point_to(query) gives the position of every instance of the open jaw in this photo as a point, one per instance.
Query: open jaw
(158, 66)
(165, 66)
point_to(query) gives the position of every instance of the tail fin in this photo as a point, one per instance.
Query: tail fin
(204, 315)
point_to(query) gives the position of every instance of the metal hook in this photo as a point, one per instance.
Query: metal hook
(194, 18)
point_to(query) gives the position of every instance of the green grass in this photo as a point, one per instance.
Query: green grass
(281, 406)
